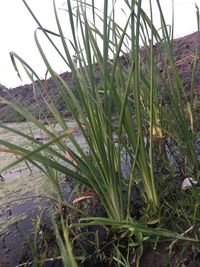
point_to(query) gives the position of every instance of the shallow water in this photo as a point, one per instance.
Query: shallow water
(24, 192)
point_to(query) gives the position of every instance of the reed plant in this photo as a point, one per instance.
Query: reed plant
(115, 112)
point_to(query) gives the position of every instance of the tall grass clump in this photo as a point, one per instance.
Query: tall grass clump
(101, 109)
(119, 113)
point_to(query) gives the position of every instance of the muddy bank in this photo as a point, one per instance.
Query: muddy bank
(25, 194)
(184, 50)
(32, 99)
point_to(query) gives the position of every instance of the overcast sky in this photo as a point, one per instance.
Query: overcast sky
(17, 30)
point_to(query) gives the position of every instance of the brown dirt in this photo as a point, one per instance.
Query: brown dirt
(184, 50)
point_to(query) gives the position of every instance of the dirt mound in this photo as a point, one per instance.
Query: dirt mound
(184, 50)
(32, 98)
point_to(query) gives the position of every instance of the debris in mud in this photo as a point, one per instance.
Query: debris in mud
(1, 178)
(41, 137)
(187, 183)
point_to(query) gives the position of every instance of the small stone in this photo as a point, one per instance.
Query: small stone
(187, 183)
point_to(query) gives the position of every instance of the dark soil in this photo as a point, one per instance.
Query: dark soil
(26, 96)
(184, 50)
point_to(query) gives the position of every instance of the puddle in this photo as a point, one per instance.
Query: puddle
(10, 176)
(24, 193)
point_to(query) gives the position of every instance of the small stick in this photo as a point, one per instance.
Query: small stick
(1, 177)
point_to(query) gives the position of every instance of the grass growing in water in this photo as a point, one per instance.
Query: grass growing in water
(115, 115)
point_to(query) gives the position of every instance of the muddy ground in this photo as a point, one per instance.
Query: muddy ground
(25, 194)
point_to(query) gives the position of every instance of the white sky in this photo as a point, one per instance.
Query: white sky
(17, 30)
